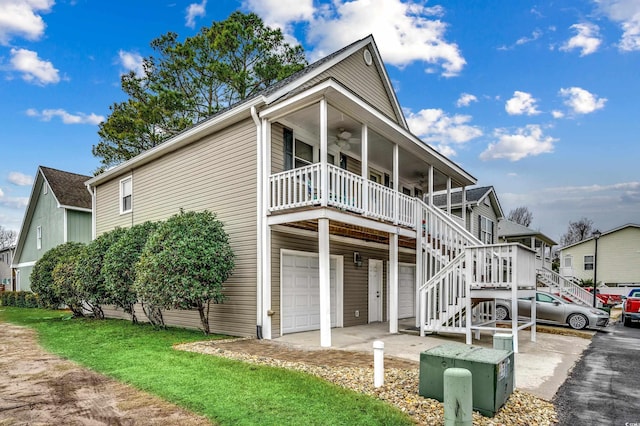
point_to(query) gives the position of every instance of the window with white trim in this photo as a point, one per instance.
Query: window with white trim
(588, 263)
(126, 195)
(486, 230)
(568, 261)
(45, 188)
(39, 237)
(296, 153)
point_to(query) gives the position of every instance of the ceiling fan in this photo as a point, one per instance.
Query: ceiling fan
(342, 139)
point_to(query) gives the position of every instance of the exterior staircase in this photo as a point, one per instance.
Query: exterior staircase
(566, 288)
(462, 276)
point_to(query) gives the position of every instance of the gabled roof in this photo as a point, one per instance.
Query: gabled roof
(619, 228)
(243, 108)
(509, 230)
(68, 188)
(473, 196)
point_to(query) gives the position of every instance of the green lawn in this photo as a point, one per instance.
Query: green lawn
(226, 391)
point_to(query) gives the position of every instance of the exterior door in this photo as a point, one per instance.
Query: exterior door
(301, 292)
(406, 291)
(375, 290)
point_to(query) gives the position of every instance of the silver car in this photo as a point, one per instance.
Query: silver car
(553, 309)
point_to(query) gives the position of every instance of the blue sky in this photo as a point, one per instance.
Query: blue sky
(537, 98)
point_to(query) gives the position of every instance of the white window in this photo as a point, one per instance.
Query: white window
(39, 237)
(126, 193)
(486, 230)
(588, 263)
(302, 154)
(568, 261)
(45, 188)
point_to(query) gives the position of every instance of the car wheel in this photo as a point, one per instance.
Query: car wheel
(502, 313)
(626, 322)
(577, 321)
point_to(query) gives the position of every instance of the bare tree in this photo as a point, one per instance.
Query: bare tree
(577, 231)
(521, 215)
(7, 237)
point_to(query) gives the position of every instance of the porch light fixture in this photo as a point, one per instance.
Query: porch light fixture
(357, 259)
(596, 235)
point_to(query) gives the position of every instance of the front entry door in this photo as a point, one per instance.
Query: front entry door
(375, 290)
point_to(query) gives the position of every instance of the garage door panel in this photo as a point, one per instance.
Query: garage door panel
(301, 293)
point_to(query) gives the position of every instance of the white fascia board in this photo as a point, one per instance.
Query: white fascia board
(23, 264)
(187, 136)
(80, 209)
(28, 213)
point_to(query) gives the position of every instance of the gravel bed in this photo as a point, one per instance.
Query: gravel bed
(400, 388)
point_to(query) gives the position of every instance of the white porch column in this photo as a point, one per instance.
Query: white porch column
(449, 196)
(464, 206)
(420, 278)
(393, 283)
(324, 175)
(430, 198)
(325, 282)
(396, 184)
(364, 157)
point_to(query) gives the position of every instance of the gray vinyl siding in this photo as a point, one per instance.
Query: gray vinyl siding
(355, 278)
(487, 211)
(618, 257)
(277, 148)
(364, 80)
(217, 174)
(78, 226)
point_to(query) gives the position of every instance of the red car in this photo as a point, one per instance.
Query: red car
(631, 308)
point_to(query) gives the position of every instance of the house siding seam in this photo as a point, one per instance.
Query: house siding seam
(217, 173)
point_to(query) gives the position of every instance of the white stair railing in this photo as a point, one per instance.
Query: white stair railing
(568, 289)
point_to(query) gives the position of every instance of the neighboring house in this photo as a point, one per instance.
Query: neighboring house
(618, 257)
(319, 184)
(6, 273)
(512, 232)
(59, 211)
(482, 211)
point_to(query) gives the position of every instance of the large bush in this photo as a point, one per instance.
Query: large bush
(67, 284)
(89, 271)
(42, 274)
(118, 270)
(185, 263)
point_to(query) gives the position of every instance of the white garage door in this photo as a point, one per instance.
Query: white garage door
(301, 293)
(406, 291)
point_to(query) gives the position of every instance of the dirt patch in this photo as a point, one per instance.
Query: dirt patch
(40, 388)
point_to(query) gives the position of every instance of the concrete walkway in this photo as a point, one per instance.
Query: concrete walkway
(540, 367)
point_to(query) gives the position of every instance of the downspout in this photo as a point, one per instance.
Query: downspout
(93, 210)
(259, 222)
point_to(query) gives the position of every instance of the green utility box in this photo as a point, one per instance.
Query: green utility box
(492, 374)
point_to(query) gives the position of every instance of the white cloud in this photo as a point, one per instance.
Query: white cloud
(587, 39)
(534, 36)
(445, 150)
(627, 14)
(195, 10)
(281, 13)
(14, 202)
(131, 61)
(557, 114)
(465, 99)
(21, 18)
(405, 31)
(67, 118)
(525, 142)
(33, 69)
(581, 101)
(521, 103)
(20, 179)
(436, 127)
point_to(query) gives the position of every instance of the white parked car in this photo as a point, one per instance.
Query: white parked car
(553, 309)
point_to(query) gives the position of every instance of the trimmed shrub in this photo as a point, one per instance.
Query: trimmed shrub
(65, 280)
(118, 270)
(90, 281)
(185, 263)
(19, 299)
(41, 275)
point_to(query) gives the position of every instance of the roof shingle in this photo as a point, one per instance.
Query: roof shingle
(69, 188)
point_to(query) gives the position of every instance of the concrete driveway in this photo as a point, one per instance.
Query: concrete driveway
(540, 367)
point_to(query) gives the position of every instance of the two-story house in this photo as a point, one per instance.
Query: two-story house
(320, 184)
(6, 273)
(59, 211)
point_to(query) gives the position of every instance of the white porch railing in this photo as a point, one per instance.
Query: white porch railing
(568, 289)
(501, 266)
(302, 187)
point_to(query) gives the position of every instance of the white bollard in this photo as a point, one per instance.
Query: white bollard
(378, 363)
